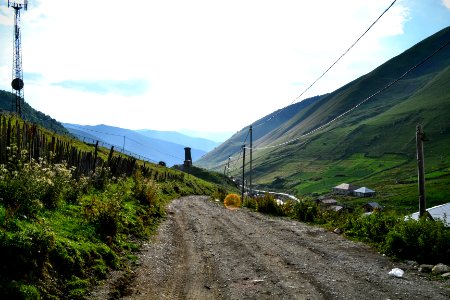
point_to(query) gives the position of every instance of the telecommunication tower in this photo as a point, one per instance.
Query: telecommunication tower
(17, 73)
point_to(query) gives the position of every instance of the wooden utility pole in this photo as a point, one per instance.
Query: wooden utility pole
(251, 159)
(421, 169)
(243, 173)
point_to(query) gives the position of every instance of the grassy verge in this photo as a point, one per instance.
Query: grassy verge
(60, 235)
(424, 241)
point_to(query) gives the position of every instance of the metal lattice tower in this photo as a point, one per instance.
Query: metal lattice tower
(17, 73)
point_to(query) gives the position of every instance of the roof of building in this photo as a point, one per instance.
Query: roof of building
(441, 212)
(328, 201)
(346, 186)
(335, 207)
(373, 204)
(364, 190)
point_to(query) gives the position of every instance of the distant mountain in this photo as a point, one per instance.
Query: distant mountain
(30, 114)
(178, 138)
(218, 137)
(135, 143)
(373, 144)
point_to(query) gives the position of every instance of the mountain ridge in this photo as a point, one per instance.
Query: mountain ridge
(30, 114)
(381, 127)
(135, 143)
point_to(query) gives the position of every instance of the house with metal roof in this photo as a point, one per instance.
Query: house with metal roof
(364, 192)
(344, 189)
(441, 212)
(371, 206)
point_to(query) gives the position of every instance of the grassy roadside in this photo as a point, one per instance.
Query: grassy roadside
(60, 235)
(389, 232)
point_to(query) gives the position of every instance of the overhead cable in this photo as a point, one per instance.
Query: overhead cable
(329, 68)
(360, 103)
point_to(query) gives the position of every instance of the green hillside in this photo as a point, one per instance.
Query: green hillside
(373, 145)
(30, 114)
(71, 213)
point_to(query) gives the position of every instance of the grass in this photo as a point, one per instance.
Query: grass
(389, 232)
(373, 145)
(60, 235)
(64, 251)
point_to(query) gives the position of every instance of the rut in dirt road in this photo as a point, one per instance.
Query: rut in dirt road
(205, 251)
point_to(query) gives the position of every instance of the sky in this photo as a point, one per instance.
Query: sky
(200, 66)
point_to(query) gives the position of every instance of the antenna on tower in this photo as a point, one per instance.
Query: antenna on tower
(17, 73)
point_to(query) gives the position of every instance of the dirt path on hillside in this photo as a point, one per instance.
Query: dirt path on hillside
(205, 251)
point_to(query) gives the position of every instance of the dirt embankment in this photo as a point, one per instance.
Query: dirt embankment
(205, 251)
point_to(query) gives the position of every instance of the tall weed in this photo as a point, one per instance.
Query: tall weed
(27, 185)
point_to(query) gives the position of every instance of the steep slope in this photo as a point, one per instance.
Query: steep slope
(266, 128)
(134, 143)
(30, 114)
(375, 139)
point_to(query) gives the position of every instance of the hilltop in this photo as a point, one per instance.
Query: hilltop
(372, 145)
(30, 114)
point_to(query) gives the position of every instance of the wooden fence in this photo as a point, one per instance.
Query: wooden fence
(29, 137)
(26, 136)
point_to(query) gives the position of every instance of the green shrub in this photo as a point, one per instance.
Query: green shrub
(146, 191)
(423, 240)
(20, 291)
(305, 211)
(220, 193)
(105, 214)
(101, 178)
(76, 288)
(370, 228)
(25, 253)
(268, 205)
(251, 203)
(28, 185)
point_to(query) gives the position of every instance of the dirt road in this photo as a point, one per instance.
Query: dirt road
(205, 251)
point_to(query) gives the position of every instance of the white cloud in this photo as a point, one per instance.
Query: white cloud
(446, 3)
(216, 65)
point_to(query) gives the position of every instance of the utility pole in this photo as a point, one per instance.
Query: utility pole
(420, 137)
(243, 173)
(251, 159)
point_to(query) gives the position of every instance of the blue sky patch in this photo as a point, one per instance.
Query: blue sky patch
(132, 87)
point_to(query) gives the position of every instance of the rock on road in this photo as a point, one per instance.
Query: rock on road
(205, 251)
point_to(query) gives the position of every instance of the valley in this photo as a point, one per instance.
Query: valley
(362, 133)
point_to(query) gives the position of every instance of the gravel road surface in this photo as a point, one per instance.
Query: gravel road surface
(206, 251)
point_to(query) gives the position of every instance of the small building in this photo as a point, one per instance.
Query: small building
(335, 208)
(326, 202)
(364, 192)
(371, 206)
(441, 212)
(344, 189)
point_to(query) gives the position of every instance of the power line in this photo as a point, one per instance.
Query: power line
(329, 68)
(103, 143)
(323, 74)
(360, 103)
(88, 129)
